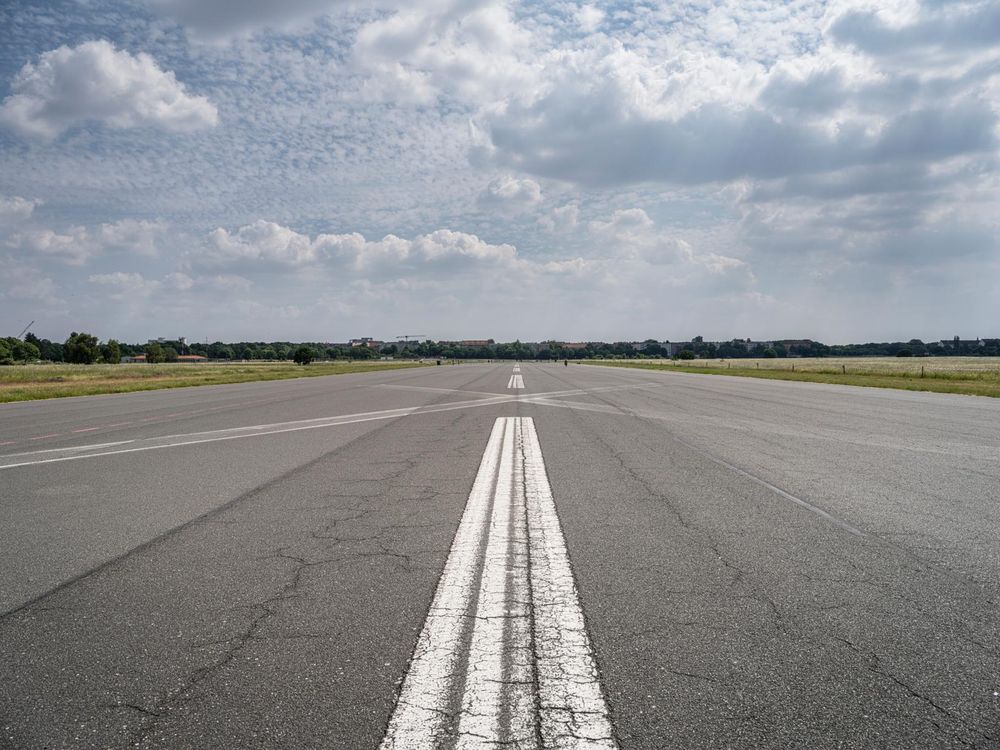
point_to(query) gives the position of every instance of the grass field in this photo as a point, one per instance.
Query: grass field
(978, 376)
(28, 382)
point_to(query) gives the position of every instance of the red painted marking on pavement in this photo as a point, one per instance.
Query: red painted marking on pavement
(42, 437)
(116, 424)
(87, 429)
(9, 442)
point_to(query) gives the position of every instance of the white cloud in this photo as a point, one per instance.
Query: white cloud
(264, 245)
(606, 116)
(561, 219)
(262, 241)
(589, 18)
(472, 50)
(118, 279)
(94, 82)
(15, 209)
(72, 247)
(78, 244)
(510, 196)
(634, 235)
(132, 236)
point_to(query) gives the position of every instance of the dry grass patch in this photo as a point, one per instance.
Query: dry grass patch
(977, 376)
(28, 382)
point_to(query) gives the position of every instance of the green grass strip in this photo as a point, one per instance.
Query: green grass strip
(972, 383)
(30, 382)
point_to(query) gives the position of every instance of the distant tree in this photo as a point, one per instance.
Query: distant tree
(111, 352)
(267, 353)
(49, 350)
(81, 348)
(685, 354)
(770, 353)
(169, 354)
(23, 351)
(904, 353)
(5, 355)
(304, 355)
(154, 354)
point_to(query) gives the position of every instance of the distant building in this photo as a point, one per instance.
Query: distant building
(370, 343)
(956, 342)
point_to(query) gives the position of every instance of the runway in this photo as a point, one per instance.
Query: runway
(520, 555)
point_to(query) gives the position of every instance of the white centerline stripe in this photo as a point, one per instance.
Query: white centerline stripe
(424, 698)
(530, 680)
(486, 692)
(570, 698)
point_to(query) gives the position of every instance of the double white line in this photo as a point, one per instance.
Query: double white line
(516, 380)
(504, 656)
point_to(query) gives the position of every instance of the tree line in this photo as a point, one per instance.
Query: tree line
(85, 348)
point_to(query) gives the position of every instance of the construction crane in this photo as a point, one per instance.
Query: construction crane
(407, 337)
(26, 329)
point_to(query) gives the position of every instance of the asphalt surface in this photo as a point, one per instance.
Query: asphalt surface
(760, 564)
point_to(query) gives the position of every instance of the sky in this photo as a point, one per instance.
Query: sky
(328, 169)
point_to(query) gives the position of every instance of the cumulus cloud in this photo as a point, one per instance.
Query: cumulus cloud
(561, 219)
(508, 195)
(94, 82)
(472, 50)
(265, 244)
(588, 18)
(78, 244)
(948, 26)
(72, 246)
(635, 235)
(15, 209)
(600, 122)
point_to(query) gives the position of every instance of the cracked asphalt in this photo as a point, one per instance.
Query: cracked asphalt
(761, 564)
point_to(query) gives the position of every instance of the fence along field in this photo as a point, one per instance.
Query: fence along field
(979, 376)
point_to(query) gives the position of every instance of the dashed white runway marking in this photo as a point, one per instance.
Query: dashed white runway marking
(508, 661)
(516, 379)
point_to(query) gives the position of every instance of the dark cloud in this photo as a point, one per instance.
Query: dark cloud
(956, 28)
(219, 19)
(717, 143)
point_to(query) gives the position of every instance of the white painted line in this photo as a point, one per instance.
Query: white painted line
(214, 436)
(572, 707)
(516, 381)
(530, 680)
(70, 449)
(423, 703)
(488, 694)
